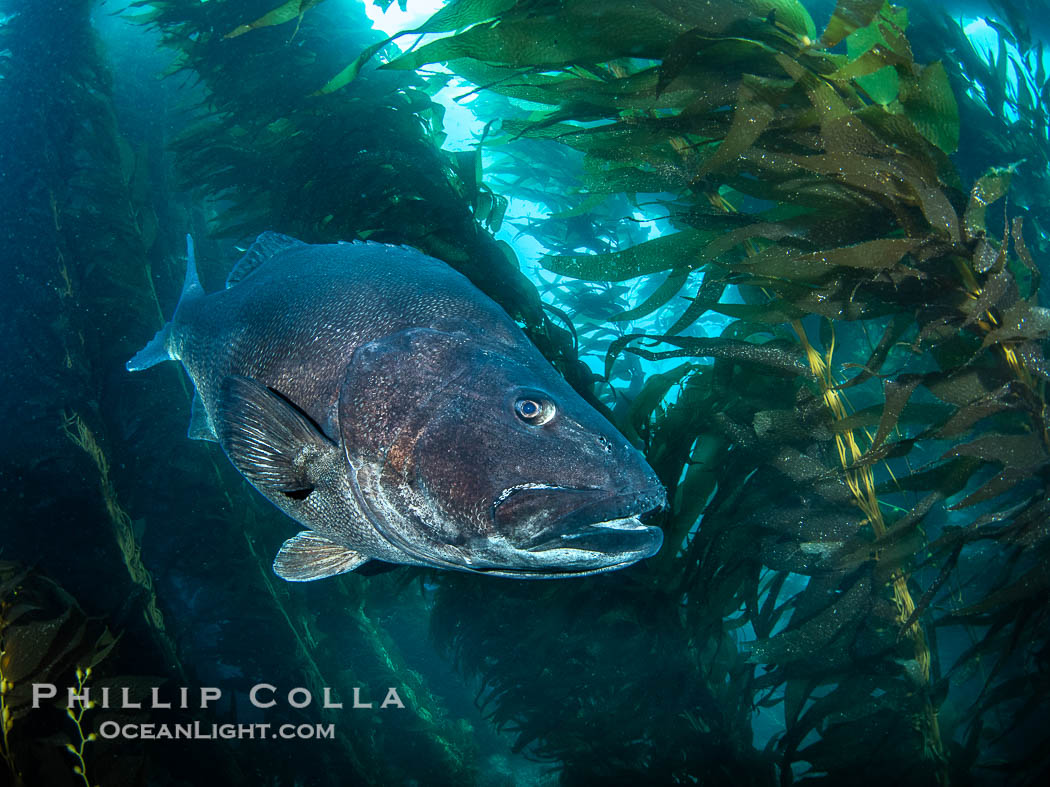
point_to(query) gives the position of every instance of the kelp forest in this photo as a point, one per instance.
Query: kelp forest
(792, 250)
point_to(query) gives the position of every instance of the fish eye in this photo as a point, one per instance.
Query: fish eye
(533, 410)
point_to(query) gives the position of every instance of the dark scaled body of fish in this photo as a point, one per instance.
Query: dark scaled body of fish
(379, 399)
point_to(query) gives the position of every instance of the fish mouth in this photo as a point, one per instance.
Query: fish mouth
(584, 525)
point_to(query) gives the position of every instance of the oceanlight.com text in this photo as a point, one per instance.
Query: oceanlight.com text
(200, 731)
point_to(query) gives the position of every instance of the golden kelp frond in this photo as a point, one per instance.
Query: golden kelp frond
(293, 9)
(77, 430)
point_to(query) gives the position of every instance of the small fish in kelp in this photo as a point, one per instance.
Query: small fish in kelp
(377, 397)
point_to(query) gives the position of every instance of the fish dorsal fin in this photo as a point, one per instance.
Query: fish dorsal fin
(266, 246)
(273, 443)
(308, 556)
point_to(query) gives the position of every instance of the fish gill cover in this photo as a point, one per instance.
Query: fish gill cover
(799, 264)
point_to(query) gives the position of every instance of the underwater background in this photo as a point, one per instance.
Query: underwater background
(792, 250)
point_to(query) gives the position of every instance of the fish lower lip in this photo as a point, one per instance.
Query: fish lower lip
(550, 573)
(625, 536)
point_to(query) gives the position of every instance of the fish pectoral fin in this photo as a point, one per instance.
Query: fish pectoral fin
(271, 441)
(309, 556)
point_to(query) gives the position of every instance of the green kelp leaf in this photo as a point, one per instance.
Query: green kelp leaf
(998, 292)
(875, 72)
(1020, 322)
(896, 394)
(607, 179)
(669, 288)
(712, 70)
(454, 16)
(766, 618)
(886, 31)
(709, 292)
(806, 524)
(789, 13)
(849, 701)
(873, 59)
(849, 15)
(867, 742)
(584, 33)
(463, 13)
(930, 104)
(35, 649)
(591, 202)
(678, 251)
(636, 90)
(858, 172)
(1016, 232)
(653, 393)
(776, 312)
(717, 18)
(931, 592)
(878, 255)
(1031, 585)
(882, 86)
(692, 494)
(1022, 457)
(349, 74)
(799, 642)
(896, 327)
(948, 478)
(896, 549)
(547, 127)
(1025, 451)
(809, 472)
(278, 16)
(765, 230)
(989, 188)
(1008, 397)
(844, 136)
(778, 356)
(750, 119)
(936, 207)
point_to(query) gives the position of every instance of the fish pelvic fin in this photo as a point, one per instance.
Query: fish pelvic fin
(308, 556)
(270, 440)
(201, 427)
(159, 348)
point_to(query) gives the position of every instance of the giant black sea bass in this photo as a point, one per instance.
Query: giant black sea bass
(378, 398)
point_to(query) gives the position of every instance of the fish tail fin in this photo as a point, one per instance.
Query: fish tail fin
(153, 353)
(159, 348)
